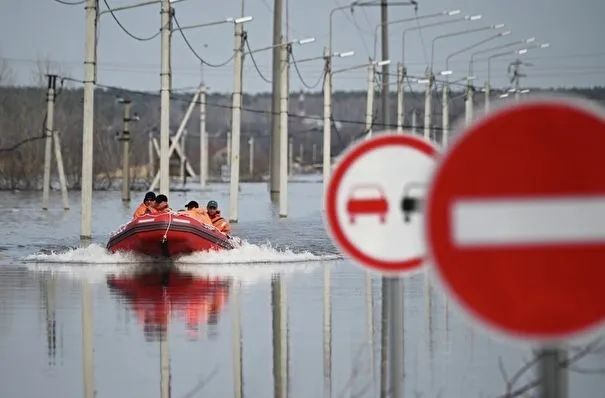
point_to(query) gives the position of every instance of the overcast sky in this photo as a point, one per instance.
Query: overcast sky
(44, 29)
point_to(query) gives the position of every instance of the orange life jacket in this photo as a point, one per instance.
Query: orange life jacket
(143, 209)
(219, 222)
(198, 214)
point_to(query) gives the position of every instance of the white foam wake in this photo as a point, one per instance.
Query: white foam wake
(248, 263)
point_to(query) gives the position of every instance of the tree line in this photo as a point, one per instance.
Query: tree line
(23, 114)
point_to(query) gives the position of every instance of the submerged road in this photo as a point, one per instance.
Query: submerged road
(285, 315)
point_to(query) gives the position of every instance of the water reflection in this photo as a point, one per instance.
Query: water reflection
(157, 296)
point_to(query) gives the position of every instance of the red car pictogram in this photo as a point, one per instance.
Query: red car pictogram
(375, 203)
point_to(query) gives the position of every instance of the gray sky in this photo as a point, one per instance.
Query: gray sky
(45, 29)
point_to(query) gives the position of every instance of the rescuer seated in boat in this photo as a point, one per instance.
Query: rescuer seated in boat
(161, 204)
(194, 211)
(147, 207)
(217, 220)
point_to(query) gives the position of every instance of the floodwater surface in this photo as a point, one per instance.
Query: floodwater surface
(284, 315)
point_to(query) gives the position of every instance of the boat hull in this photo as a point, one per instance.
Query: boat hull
(167, 235)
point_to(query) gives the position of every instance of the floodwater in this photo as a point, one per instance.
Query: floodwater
(285, 315)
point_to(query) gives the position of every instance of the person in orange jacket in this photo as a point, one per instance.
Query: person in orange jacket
(147, 207)
(161, 204)
(194, 211)
(215, 216)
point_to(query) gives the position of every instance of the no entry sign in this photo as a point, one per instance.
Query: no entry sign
(373, 202)
(515, 219)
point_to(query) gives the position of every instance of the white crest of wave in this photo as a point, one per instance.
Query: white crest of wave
(248, 263)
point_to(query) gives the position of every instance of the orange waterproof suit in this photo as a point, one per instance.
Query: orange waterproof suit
(143, 209)
(198, 214)
(219, 223)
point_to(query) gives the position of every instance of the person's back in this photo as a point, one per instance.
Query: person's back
(147, 207)
(215, 216)
(194, 211)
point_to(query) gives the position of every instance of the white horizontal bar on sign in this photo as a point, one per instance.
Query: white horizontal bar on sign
(535, 221)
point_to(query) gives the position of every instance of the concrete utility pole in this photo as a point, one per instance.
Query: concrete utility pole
(384, 39)
(165, 78)
(251, 157)
(445, 115)
(370, 97)
(203, 138)
(327, 89)
(428, 106)
(150, 155)
(401, 75)
(88, 117)
(290, 156)
(236, 114)
(125, 138)
(469, 102)
(283, 127)
(275, 100)
(48, 133)
(60, 169)
(314, 153)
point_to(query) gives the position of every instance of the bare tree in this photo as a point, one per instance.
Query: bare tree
(512, 382)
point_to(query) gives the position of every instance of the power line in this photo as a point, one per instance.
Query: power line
(310, 87)
(124, 28)
(254, 61)
(71, 3)
(193, 50)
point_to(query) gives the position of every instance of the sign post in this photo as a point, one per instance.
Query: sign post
(515, 221)
(374, 214)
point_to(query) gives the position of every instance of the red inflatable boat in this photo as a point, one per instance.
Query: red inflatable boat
(158, 297)
(167, 235)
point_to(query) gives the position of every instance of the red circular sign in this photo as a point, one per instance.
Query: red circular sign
(419, 153)
(515, 219)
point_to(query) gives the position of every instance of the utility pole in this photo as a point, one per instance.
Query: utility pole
(445, 116)
(236, 114)
(370, 98)
(125, 138)
(60, 169)
(203, 140)
(428, 107)
(401, 74)
(251, 157)
(166, 32)
(275, 100)
(327, 89)
(48, 133)
(414, 122)
(314, 153)
(90, 61)
(183, 157)
(384, 18)
(469, 102)
(283, 127)
(301, 153)
(290, 156)
(150, 155)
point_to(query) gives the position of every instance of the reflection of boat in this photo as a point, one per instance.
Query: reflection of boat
(167, 235)
(157, 297)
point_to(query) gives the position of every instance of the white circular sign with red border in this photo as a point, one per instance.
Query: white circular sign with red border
(374, 200)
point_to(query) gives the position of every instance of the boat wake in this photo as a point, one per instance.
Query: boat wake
(247, 263)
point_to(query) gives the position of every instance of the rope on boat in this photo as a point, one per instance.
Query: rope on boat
(165, 237)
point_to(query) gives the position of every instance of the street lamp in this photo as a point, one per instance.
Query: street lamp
(521, 51)
(417, 18)
(431, 25)
(90, 77)
(487, 50)
(428, 98)
(299, 42)
(469, 96)
(213, 23)
(327, 112)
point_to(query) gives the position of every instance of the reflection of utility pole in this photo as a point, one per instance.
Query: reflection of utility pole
(51, 322)
(238, 385)
(87, 344)
(280, 342)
